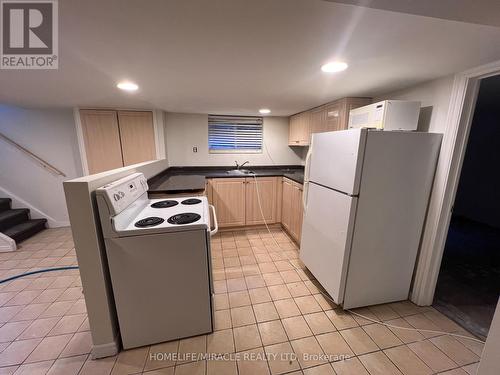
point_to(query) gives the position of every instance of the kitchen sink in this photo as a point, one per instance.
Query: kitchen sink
(239, 172)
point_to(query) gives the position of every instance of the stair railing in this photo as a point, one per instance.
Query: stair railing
(39, 160)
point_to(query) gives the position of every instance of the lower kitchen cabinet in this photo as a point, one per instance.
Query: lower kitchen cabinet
(228, 197)
(291, 208)
(268, 187)
(297, 212)
(286, 205)
(236, 204)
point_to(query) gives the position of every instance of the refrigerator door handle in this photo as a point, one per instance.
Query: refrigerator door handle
(304, 195)
(307, 165)
(306, 178)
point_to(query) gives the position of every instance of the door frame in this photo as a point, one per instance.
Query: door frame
(158, 126)
(458, 123)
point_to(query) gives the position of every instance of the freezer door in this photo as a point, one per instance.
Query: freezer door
(336, 159)
(326, 237)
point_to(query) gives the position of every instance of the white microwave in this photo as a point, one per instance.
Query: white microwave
(386, 115)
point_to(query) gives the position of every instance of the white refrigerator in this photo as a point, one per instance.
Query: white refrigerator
(366, 195)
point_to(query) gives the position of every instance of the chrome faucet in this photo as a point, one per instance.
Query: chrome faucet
(239, 166)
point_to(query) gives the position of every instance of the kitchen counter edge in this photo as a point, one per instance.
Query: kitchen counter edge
(159, 183)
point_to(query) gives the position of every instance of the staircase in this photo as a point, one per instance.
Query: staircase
(16, 222)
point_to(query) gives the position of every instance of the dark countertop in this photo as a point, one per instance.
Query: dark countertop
(183, 179)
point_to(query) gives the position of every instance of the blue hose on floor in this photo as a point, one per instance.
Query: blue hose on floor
(38, 271)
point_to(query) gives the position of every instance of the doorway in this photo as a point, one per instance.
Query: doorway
(468, 285)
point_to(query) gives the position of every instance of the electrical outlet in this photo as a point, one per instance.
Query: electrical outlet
(195, 149)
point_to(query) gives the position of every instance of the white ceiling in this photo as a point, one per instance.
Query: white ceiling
(236, 56)
(483, 12)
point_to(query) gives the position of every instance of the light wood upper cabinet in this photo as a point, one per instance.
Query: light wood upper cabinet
(333, 117)
(329, 117)
(101, 136)
(228, 197)
(299, 131)
(137, 136)
(114, 139)
(268, 192)
(319, 120)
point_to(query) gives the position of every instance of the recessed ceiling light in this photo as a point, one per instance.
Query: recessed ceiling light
(127, 86)
(334, 67)
(264, 111)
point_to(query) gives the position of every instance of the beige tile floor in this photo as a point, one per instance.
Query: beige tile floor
(270, 319)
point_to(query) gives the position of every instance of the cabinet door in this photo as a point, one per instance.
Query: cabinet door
(297, 211)
(102, 140)
(286, 205)
(293, 132)
(299, 132)
(305, 128)
(300, 213)
(228, 197)
(208, 191)
(137, 136)
(333, 116)
(267, 189)
(319, 120)
(292, 125)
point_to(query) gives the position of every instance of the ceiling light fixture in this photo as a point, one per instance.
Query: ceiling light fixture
(264, 111)
(127, 86)
(334, 67)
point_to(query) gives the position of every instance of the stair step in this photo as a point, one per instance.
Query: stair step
(5, 204)
(25, 230)
(12, 217)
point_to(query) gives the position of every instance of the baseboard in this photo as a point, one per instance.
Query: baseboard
(7, 244)
(35, 213)
(249, 227)
(105, 350)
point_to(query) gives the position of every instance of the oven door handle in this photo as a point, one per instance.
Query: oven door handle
(214, 231)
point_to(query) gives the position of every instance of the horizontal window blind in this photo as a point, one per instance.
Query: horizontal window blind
(234, 134)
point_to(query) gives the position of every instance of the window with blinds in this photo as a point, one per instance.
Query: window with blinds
(234, 134)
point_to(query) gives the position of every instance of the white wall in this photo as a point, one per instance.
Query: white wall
(435, 99)
(91, 252)
(51, 135)
(490, 365)
(183, 131)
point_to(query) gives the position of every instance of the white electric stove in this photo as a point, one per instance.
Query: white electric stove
(158, 253)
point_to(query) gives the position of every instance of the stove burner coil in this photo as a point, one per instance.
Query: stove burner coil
(191, 201)
(164, 204)
(185, 218)
(149, 222)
